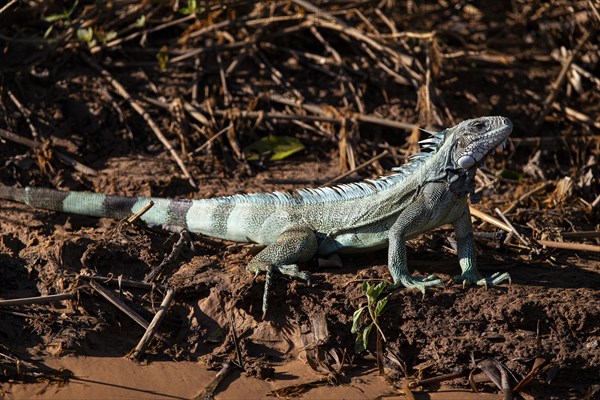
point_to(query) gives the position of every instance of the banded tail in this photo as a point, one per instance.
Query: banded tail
(164, 212)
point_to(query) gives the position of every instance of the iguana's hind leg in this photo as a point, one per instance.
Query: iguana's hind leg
(467, 256)
(296, 244)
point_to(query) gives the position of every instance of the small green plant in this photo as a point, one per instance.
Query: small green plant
(86, 35)
(140, 22)
(374, 307)
(90, 36)
(61, 18)
(192, 8)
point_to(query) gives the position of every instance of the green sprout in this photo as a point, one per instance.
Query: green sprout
(86, 36)
(140, 22)
(63, 16)
(192, 8)
(375, 307)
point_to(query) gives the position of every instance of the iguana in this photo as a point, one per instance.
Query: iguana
(429, 191)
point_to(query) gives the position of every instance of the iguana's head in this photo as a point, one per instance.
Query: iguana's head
(474, 139)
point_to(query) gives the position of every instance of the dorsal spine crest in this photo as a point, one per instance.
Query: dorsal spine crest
(347, 191)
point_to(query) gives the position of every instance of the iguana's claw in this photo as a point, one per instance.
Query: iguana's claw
(416, 282)
(294, 271)
(477, 279)
(291, 270)
(265, 302)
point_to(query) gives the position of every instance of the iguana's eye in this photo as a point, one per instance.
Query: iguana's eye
(478, 126)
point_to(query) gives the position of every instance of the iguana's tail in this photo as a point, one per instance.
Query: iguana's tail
(12, 193)
(164, 211)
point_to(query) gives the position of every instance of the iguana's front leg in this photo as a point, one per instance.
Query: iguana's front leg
(467, 256)
(412, 216)
(296, 244)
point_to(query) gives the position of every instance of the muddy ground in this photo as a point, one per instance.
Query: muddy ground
(503, 60)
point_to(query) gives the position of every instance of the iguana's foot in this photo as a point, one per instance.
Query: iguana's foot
(470, 278)
(296, 244)
(292, 270)
(416, 282)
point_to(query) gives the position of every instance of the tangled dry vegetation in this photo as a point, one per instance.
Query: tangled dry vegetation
(173, 98)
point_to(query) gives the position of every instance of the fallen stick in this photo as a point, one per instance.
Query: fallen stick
(547, 243)
(596, 201)
(319, 118)
(151, 330)
(570, 246)
(35, 300)
(436, 379)
(403, 60)
(141, 212)
(580, 235)
(512, 228)
(209, 390)
(25, 112)
(112, 280)
(230, 22)
(488, 218)
(575, 115)
(119, 304)
(236, 342)
(212, 138)
(184, 238)
(235, 113)
(7, 6)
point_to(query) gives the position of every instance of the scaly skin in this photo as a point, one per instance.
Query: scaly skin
(429, 191)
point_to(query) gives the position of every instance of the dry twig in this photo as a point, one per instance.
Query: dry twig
(25, 301)
(108, 295)
(208, 392)
(570, 246)
(512, 228)
(152, 328)
(7, 6)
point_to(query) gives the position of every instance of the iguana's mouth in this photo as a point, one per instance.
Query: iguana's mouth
(500, 147)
